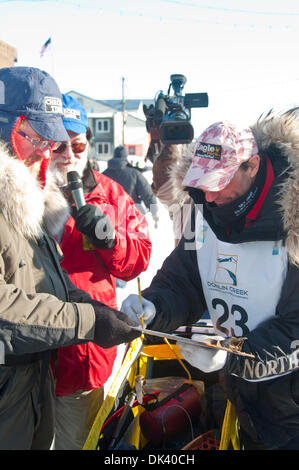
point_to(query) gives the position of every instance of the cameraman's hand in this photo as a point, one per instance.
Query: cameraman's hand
(132, 307)
(112, 327)
(93, 223)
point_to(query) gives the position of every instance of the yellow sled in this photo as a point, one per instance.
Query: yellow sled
(140, 361)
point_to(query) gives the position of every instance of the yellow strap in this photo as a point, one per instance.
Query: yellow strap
(229, 431)
(180, 361)
(140, 299)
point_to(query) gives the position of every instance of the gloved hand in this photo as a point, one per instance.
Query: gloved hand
(132, 307)
(205, 359)
(91, 221)
(112, 327)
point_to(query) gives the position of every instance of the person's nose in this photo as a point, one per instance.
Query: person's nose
(43, 152)
(68, 154)
(211, 196)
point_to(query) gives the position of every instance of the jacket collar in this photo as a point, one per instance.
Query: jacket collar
(88, 179)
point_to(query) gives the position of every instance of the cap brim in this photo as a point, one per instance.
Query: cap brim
(214, 180)
(50, 129)
(73, 126)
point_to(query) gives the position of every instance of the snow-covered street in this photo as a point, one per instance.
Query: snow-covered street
(162, 239)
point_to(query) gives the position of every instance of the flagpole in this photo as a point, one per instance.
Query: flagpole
(45, 48)
(52, 57)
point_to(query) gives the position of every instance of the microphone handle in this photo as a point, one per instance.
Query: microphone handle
(78, 197)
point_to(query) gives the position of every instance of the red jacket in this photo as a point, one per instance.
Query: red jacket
(87, 366)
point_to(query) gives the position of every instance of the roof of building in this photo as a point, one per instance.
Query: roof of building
(108, 106)
(130, 104)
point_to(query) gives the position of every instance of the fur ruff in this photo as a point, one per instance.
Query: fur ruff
(24, 204)
(182, 160)
(282, 132)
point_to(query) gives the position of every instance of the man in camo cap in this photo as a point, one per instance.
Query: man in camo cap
(241, 265)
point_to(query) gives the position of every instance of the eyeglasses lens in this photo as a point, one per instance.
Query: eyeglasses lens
(40, 144)
(77, 147)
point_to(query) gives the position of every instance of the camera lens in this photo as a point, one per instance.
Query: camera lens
(176, 133)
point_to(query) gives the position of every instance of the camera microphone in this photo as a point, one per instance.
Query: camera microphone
(76, 186)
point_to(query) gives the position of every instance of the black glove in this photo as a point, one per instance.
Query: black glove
(91, 221)
(112, 327)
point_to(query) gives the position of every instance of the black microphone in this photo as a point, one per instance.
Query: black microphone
(76, 186)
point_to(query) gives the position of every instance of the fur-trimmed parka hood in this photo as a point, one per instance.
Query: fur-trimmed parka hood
(24, 204)
(277, 136)
(168, 174)
(178, 171)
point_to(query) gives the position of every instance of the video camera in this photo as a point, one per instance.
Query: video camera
(168, 120)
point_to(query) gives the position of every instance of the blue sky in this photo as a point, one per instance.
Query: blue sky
(243, 53)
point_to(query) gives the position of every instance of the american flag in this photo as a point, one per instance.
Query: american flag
(45, 47)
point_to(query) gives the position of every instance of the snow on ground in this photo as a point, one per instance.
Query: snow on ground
(162, 239)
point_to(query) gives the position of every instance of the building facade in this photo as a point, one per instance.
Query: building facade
(112, 127)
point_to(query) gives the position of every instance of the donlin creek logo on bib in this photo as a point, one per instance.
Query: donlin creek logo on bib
(226, 276)
(226, 270)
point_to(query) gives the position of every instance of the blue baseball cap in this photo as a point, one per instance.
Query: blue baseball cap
(33, 93)
(75, 116)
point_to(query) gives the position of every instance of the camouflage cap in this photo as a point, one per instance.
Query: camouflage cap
(218, 153)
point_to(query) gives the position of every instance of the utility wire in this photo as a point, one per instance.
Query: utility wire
(191, 19)
(230, 10)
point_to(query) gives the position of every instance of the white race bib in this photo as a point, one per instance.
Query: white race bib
(241, 282)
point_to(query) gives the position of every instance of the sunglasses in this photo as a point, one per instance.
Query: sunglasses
(40, 144)
(77, 147)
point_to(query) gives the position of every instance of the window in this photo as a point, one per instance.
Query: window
(103, 148)
(102, 125)
(132, 149)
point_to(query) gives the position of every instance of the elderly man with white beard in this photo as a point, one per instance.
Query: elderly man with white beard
(122, 251)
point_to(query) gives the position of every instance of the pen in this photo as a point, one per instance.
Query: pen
(140, 298)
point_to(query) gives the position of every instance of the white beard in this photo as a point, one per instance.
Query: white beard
(59, 173)
(57, 210)
(59, 176)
